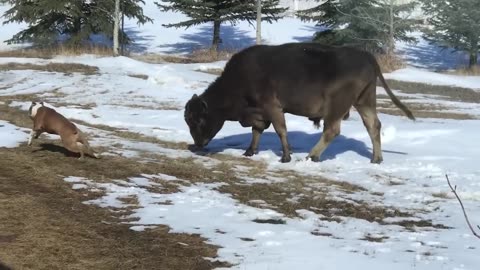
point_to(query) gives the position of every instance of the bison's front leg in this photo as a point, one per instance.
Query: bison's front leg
(257, 131)
(253, 148)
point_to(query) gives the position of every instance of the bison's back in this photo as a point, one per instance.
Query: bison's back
(300, 75)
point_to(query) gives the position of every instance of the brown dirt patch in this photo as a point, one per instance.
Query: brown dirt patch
(452, 93)
(52, 67)
(213, 71)
(50, 52)
(45, 225)
(138, 76)
(421, 110)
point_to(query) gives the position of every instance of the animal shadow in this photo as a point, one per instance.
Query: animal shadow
(300, 142)
(55, 149)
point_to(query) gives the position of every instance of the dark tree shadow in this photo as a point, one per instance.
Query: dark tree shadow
(312, 29)
(431, 56)
(232, 39)
(138, 39)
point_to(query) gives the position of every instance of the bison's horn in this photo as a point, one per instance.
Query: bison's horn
(205, 105)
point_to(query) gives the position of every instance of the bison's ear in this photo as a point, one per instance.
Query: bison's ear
(34, 103)
(41, 103)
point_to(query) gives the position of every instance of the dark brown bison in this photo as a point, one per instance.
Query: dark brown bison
(261, 83)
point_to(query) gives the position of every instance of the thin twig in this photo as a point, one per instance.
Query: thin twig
(454, 190)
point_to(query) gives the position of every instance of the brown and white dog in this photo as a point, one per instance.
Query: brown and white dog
(46, 119)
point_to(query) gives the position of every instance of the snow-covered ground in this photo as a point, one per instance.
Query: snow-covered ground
(412, 178)
(10, 135)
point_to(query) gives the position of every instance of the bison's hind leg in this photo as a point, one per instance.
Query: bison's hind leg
(336, 109)
(366, 107)
(373, 126)
(331, 129)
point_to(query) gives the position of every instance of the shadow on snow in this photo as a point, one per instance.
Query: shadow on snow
(300, 142)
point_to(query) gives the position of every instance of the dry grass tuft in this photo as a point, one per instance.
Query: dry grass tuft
(373, 238)
(389, 62)
(474, 71)
(213, 71)
(452, 93)
(197, 56)
(138, 76)
(66, 68)
(46, 225)
(208, 55)
(48, 53)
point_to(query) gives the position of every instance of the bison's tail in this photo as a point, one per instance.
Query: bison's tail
(394, 99)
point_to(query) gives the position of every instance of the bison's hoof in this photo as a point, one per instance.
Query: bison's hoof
(376, 160)
(286, 159)
(250, 152)
(313, 158)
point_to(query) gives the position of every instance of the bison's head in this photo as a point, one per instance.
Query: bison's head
(204, 123)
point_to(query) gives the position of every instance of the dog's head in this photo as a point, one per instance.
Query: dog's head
(32, 111)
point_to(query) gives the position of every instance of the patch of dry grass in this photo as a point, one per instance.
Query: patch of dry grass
(429, 110)
(138, 76)
(213, 71)
(452, 93)
(373, 238)
(208, 55)
(474, 71)
(45, 225)
(50, 52)
(389, 62)
(424, 111)
(52, 67)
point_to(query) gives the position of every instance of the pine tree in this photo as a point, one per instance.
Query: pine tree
(372, 25)
(454, 24)
(220, 11)
(73, 20)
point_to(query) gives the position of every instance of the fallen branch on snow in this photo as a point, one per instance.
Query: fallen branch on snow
(454, 190)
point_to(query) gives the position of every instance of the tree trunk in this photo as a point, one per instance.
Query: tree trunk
(216, 35)
(391, 34)
(122, 40)
(116, 25)
(473, 59)
(259, 22)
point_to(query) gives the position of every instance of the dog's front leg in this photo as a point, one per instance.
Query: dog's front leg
(33, 135)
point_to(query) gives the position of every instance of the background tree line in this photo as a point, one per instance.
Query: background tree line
(374, 25)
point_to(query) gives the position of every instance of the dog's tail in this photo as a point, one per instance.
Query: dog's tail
(83, 139)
